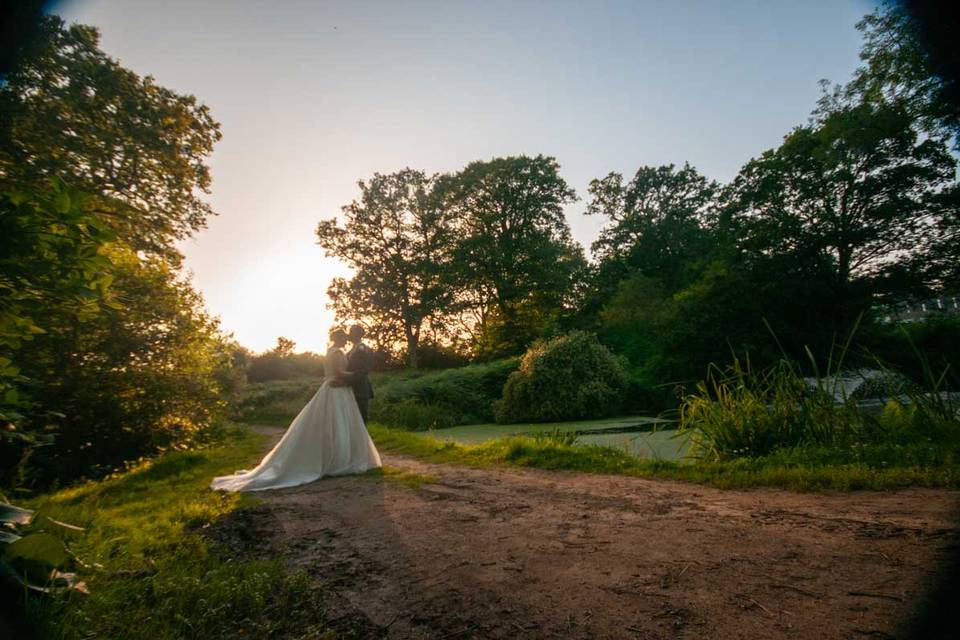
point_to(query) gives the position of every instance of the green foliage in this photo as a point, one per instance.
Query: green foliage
(514, 259)
(275, 402)
(741, 412)
(398, 240)
(71, 112)
(857, 209)
(557, 436)
(437, 399)
(32, 560)
(861, 192)
(570, 377)
(158, 576)
(53, 260)
(105, 351)
(415, 415)
(744, 413)
(281, 363)
(897, 344)
(802, 469)
(898, 70)
(659, 223)
(481, 259)
(126, 382)
(410, 399)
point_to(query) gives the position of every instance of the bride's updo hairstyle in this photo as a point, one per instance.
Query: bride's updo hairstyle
(338, 337)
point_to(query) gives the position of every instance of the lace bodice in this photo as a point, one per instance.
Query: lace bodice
(335, 363)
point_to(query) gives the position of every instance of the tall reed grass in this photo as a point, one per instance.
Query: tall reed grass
(738, 411)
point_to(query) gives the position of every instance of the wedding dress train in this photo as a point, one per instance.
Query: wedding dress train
(327, 438)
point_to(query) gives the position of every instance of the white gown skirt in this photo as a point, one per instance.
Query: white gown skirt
(327, 438)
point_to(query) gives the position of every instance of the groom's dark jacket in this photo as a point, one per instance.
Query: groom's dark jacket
(359, 364)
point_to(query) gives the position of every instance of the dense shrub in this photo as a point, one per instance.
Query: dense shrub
(437, 356)
(123, 383)
(419, 400)
(275, 402)
(279, 366)
(414, 415)
(937, 337)
(413, 400)
(567, 378)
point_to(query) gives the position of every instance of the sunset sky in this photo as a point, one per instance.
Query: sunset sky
(313, 96)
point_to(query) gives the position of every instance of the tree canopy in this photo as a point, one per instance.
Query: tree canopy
(514, 256)
(861, 192)
(72, 113)
(398, 240)
(106, 351)
(658, 221)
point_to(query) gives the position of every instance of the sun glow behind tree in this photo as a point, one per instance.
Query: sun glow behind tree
(307, 109)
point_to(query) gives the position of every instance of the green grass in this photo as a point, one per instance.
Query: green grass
(474, 433)
(803, 470)
(409, 399)
(402, 476)
(157, 576)
(276, 402)
(660, 443)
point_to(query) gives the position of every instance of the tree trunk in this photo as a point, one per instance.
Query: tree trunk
(413, 346)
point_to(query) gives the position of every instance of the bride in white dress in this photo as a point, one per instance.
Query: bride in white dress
(327, 437)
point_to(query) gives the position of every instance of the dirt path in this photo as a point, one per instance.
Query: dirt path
(504, 553)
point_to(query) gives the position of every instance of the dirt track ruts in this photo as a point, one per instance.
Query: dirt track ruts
(521, 553)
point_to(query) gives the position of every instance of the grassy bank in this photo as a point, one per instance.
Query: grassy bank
(797, 469)
(411, 399)
(155, 575)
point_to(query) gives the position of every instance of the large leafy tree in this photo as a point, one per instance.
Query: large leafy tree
(71, 112)
(397, 239)
(860, 194)
(910, 63)
(515, 260)
(102, 344)
(136, 377)
(52, 262)
(907, 63)
(658, 223)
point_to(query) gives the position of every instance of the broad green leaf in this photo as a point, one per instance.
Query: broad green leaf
(61, 202)
(40, 548)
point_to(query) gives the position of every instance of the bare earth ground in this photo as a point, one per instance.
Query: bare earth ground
(515, 553)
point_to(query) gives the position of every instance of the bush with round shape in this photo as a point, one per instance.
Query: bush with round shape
(572, 377)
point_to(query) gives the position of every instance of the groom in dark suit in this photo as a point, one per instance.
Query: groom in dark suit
(359, 363)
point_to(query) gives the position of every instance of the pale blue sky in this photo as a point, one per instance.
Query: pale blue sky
(314, 96)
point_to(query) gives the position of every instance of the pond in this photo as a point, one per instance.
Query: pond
(641, 436)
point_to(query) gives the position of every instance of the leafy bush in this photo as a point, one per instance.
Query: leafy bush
(420, 400)
(278, 366)
(106, 355)
(557, 436)
(412, 400)
(567, 378)
(413, 415)
(126, 382)
(431, 355)
(33, 560)
(275, 402)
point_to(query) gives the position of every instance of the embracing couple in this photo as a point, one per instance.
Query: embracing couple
(329, 435)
